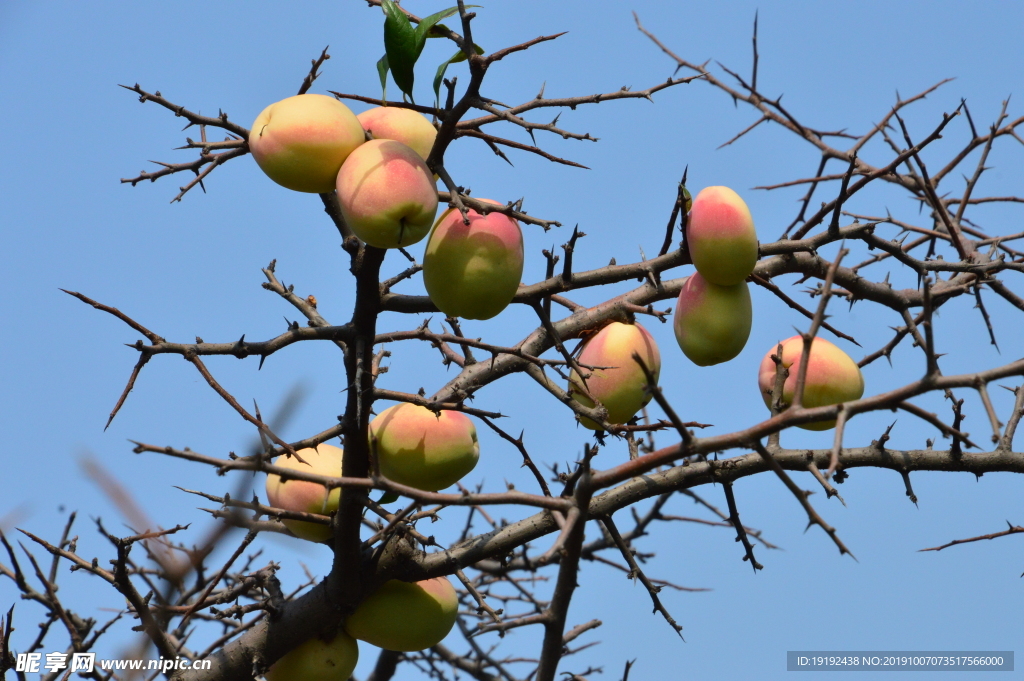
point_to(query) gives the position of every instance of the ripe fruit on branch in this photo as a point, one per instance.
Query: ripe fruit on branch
(318, 660)
(720, 236)
(301, 142)
(406, 616)
(832, 377)
(620, 387)
(473, 271)
(712, 322)
(387, 195)
(307, 497)
(403, 125)
(421, 449)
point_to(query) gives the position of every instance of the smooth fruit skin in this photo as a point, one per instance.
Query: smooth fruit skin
(301, 142)
(318, 660)
(473, 271)
(387, 195)
(720, 236)
(428, 451)
(712, 323)
(403, 125)
(307, 497)
(620, 388)
(406, 616)
(832, 377)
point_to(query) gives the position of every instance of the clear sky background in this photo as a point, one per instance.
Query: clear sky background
(193, 269)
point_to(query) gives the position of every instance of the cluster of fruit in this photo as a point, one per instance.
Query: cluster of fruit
(376, 162)
(712, 322)
(398, 616)
(388, 196)
(472, 268)
(712, 317)
(713, 313)
(414, 447)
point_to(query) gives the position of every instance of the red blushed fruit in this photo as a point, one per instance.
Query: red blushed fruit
(720, 236)
(473, 271)
(403, 125)
(406, 616)
(832, 377)
(620, 387)
(307, 497)
(421, 449)
(387, 195)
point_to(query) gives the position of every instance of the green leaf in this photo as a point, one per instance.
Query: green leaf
(439, 77)
(400, 46)
(437, 81)
(427, 24)
(438, 31)
(403, 45)
(425, 29)
(387, 498)
(382, 71)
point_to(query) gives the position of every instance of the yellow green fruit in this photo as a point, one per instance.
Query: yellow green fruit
(832, 377)
(318, 660)
(301, 142)
(406, 616)
(620, 388)
(307, 497)
(712, 322)
(473, 271)
(421, 449)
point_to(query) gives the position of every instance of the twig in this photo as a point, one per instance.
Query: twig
(482, 605)
(527, 461)
(314, 72)
(1011, 529)
(765, 283)
(812, 516)
(636, 573)
(741, 534)
(682, 197)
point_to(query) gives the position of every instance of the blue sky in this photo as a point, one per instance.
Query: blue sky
(193, 269)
